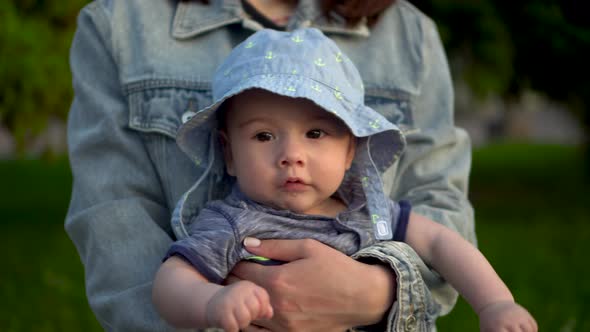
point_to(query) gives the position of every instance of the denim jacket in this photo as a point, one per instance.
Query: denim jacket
(140, 66)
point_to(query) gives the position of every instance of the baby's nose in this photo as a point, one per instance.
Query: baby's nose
(292, 154)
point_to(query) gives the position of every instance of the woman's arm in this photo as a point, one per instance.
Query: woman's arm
(432, 174)
(117, 213)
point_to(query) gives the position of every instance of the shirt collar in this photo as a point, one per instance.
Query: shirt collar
(193, 18)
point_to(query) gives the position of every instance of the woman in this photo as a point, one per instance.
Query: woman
(140, 68)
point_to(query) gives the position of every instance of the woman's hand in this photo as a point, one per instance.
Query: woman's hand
(319, 289)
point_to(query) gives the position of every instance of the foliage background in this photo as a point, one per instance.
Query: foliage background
(531, 201)
(34, 71)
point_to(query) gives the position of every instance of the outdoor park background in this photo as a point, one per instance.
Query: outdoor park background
(522, 81)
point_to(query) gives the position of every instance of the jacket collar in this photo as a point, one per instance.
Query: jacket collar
(193, 18)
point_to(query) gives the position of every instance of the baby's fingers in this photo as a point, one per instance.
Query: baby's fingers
(530, 325)
(523, 327)
(263, 299)
(255, 328)
(517, 323)
(255, 306)
(230, 324)
(243, 314)
(506, 317)
(526, 322)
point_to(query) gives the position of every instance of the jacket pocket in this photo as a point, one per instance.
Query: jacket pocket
(156, 111)
(395, 105)
(161, 110)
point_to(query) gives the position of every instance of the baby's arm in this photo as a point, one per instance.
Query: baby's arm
(185, 299)
(465, 267)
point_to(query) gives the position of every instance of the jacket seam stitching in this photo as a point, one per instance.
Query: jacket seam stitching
(148, 84)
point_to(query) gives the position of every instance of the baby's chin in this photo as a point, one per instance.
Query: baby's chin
(293, 205)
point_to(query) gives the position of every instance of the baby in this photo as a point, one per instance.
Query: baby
(305, 157)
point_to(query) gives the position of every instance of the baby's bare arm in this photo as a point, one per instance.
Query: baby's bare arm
(180, 294)
(465, 267)
(457, 260)
(185, 299)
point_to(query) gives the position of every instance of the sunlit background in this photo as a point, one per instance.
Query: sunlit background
(521, 77)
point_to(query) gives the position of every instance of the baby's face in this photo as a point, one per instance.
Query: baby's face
(287, 153)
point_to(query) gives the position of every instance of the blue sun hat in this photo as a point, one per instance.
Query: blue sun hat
(306, 64)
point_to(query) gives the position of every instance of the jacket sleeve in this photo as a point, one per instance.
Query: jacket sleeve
(213, 245)
(117, 215)
(432, 175)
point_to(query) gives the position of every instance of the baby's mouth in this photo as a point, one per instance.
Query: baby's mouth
(294, 184)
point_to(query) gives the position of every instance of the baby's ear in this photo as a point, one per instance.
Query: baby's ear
(227, 156)
(351, 152)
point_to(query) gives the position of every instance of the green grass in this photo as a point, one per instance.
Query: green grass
(532, 217)
(42, 286)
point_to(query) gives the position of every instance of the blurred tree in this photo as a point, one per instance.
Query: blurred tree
(504, 47)
(477, 40)
(35, 79)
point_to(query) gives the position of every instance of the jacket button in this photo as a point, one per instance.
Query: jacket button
(187, 116)
(410, 323)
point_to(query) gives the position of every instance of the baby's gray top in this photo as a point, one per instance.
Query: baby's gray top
(216, 238)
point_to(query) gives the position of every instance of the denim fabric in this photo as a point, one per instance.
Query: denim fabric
(140, 66)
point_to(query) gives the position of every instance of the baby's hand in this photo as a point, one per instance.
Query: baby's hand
(235, 306)
(506, 316)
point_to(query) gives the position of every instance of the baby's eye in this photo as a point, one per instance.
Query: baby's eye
(264, 136)
(315, 133)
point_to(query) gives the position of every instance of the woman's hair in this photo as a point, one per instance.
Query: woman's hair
(353, 11)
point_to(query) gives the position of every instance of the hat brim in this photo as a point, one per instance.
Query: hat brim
(293, 86)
